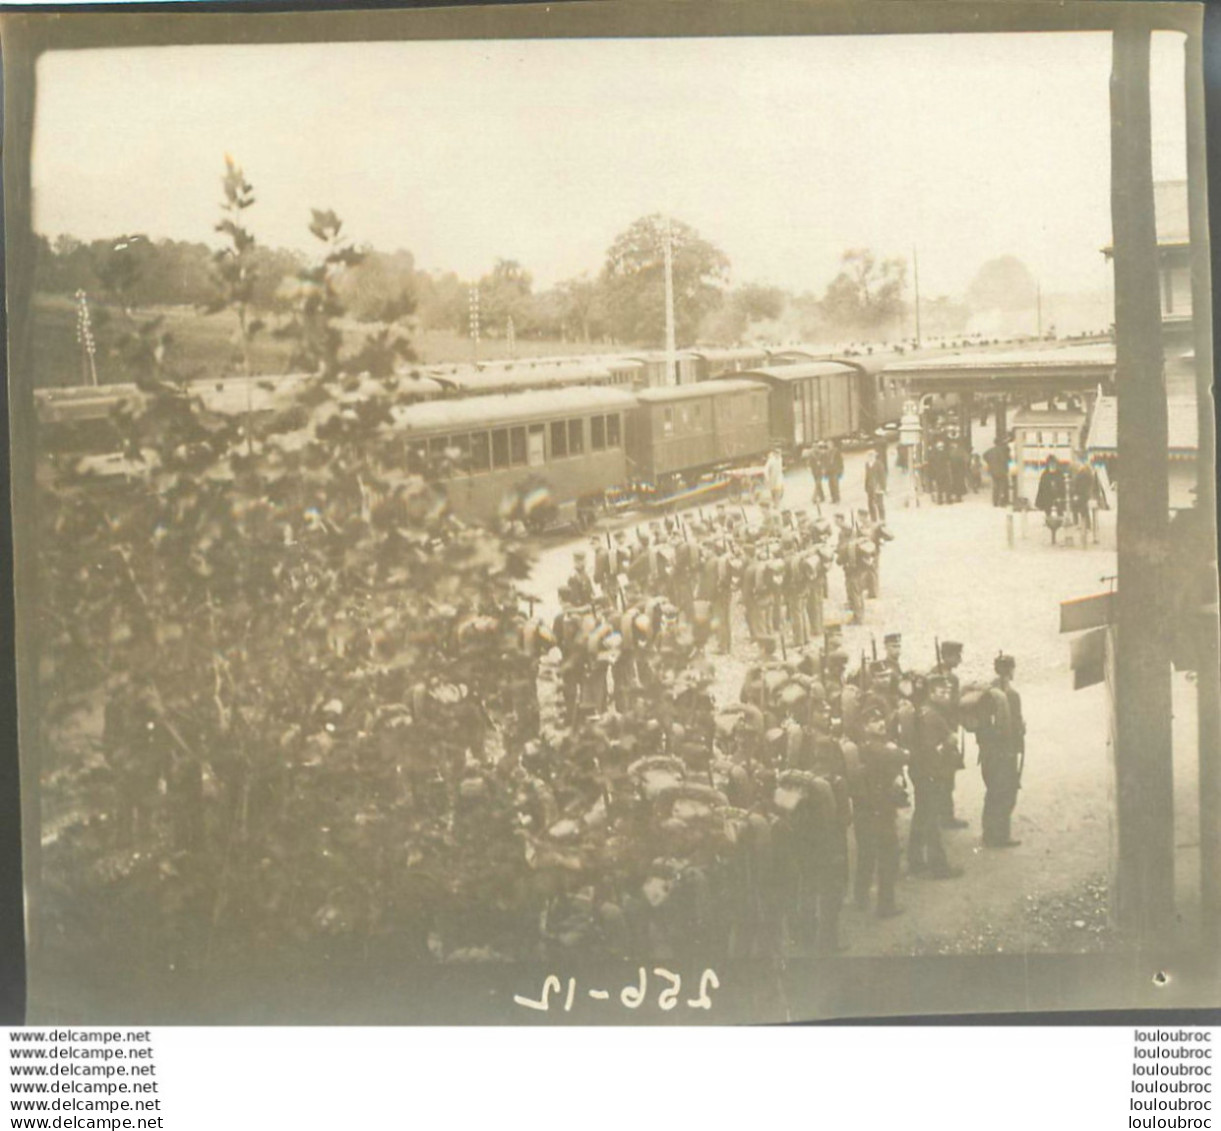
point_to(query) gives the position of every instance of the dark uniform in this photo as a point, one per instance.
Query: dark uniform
(951, 657)
(1002, 751)
(833, 468)
(876, 801)
(933, 760)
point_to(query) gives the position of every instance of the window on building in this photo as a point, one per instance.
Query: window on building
(597, 433)
(667, 422)
(480, 452)
(559, 439)
(576, 437)
(612, 430)
(500, 448)
(517, 446)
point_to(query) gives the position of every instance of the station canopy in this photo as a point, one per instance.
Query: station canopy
(1041, 370)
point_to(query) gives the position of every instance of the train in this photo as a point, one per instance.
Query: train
(566, 455)
(577, 435)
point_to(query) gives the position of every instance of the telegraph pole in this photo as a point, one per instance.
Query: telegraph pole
(916, 278)
(671, 348)
(1038, 307)
(475, 323)
(1143, 878)
(1208, 652)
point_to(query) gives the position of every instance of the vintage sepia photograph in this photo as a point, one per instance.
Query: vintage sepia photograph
(622, 513)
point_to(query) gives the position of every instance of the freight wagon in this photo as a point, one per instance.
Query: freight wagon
(809, 402)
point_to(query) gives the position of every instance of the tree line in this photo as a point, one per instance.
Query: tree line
(621, 303)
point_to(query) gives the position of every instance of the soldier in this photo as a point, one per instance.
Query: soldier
(834, 470)
(773, 476)
(579, 588)
(875, 806)
(933, 760)
(876, 534)
(855, 556)
(686, 574)
(875, 487)
(815, 460)
(813, 567)
(939, 472)
(892, 644)
(949, 657)
(1002, 753)
(795, 591)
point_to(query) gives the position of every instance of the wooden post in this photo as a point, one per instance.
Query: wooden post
(1208, 693)
(1144, 874)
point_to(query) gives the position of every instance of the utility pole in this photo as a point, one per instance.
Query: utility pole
(671, 349)
(1208, 651)
(916, 278)
(475, 322)
(1038, 307)
(1143, 878)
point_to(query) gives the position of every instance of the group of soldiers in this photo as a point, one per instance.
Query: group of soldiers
(740, 827)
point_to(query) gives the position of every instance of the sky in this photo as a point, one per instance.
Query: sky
(782, 151)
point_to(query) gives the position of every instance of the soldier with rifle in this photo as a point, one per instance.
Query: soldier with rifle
(949, 657)
(1002, 755)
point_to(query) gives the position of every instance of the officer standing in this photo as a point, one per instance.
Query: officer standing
(579, 589)
(1002, 754)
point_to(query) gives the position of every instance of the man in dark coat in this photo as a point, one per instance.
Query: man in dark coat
(816, 461)
(996, 459)
(875, 487)
(1051, 495)
(949, 658)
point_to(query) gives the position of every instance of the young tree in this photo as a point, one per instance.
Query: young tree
(634, 281)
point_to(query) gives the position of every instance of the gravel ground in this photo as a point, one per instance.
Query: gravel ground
(950, 573)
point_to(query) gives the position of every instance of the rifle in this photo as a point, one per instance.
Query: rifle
(864, 674)
(937, 650)
(873, 640)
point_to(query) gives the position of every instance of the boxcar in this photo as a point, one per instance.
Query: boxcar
(687, 429)
(813, 401)
(569, 440)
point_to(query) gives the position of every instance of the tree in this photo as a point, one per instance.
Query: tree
(867, 295)
(1004, 284)
(303, 662)
(503, 294)
(635, 287)
(730, 322)
(582, 303)
(234, 264)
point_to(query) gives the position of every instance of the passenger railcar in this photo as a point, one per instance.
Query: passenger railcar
(681, 431)
(512, 377)
(711, 363)
(570, 442)
(660, 369)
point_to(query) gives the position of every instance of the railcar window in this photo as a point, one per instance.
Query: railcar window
(500, 448)
(697, 415)
(667, 422)
(437, 446)
(480, 452)
(597, 433)
(559, 439)
(537, 448)
(576, 437)
(462, 451)
(612, 430)
(517, 446)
